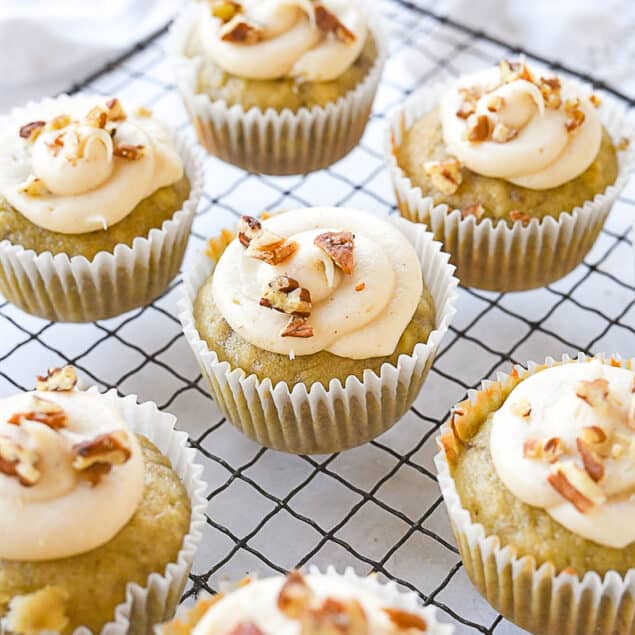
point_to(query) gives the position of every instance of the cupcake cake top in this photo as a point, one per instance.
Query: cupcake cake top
(79, 164)
(514, 123)
(317, 603)
(320, 279)
(270, 39)
(564, 441)
(71, 474)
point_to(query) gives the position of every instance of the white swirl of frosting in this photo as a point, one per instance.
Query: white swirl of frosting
(257, 603)
(292, 45)
(544, 154)
(87, 187)
(557, 412)
(347, 321)
(63, 515)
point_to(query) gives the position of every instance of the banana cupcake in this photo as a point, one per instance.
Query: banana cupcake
(314, 603)
(537, 470)
(513, 168)
(97, 525)
(96, 205)
(315, 328)
(281, 86)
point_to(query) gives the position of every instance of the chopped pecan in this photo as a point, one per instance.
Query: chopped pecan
(31, 131)
(241, 32)
(248, 228)
(594, 435)
(225, 10)
(511, 71)
(56, 146)
(298, 327)
(576, 486)
(550, 90)
(57, 380)
(466, 109)
(517, 216)
(59, 122)
(97, 117)
(445, 175)
(521, 408)
(18, 462)
(339, 246)
(42, 411)
(554, 448)
(360, 286)
(285, 294)
(595, 100)
(574, 113)
(130, 152)
(495, 103)
(329, 23)
(404, 620)
(295, 596)
(335, 617)
(143, 112)
(34, 187)
(270, 248)
(592, 463)
(623, 144)
(96, 457)
(476, 210)
(479, 128)
(594, 393)
(503, 133)
(246, 628)
(115, 110)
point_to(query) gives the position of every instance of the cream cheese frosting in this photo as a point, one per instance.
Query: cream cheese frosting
(55, 509)
(564, 441)
(515, 124)
(80, 171)
(358, 315)
(263, 606)
(286, 38)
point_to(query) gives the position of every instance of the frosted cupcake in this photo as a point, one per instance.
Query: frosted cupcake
(96, 204)
(82, 487)
(513, 168)
(278, 87)
(537, 473)
(316, 328)
(311, 604)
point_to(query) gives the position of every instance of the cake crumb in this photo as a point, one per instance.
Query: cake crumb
(43, 610)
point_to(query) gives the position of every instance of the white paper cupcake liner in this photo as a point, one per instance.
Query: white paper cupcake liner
(536, 598)
(498, 257)
(74, 289)
(318, 420)
(272, 142)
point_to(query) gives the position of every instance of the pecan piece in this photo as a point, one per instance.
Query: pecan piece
(445, 175)
(130, 152)
(479, 128)
(623, 144)
(31, 131)
(576, 486)
(466, 109)
(592, 463)
(246, 628)
(285, 294)
(554, 448)
(270, 248)
(115, 110)
(404, 620)
(241, 32)
(574, 113)
(517, 216)
(97, 117)
(42, 411)
(521, 408)
(248, 229)
(595, 100)
(339, 247)
(477, 210)
(298, 327)
(495, 103)
(18, 462)
(511, 71)
(225, 10)
(57, 380)
(594, 393)
(335, 617)
(96, 457)
(360, 286)
(295, 596)
(329, 23)
(34, 187)
(502, 133)
(550, 90)
(59, 122)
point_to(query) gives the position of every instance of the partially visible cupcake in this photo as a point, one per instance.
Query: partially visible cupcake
(316, 328)
(279, 87)
(537, 470)
(101, 510)
(96, 205)
(314, 603)
(514, 169)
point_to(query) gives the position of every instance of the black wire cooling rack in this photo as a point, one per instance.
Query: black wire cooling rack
(378, 507)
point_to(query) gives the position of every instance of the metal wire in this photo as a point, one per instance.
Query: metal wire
(378, 507)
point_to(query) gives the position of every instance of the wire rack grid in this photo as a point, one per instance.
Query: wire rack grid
(378, 507)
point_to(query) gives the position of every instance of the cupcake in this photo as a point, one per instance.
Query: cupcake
(315, 328)
(96, 205)
(513, 168)
(101, 511)
(537, 472)
(279, 87)
(313, 604)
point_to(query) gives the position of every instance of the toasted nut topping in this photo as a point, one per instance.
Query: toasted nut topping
(248, 228)
(511, 71)
(617, 450)
(329, 23)
(31, 131)
(295, 596)
(339, 246)
(495, 103)
(533, 449)
(595, 100)
(594, 393)
(57, 380)
(241, 32)
(270, 248)
(360, 286)
(144, 112)
(225, 10)
(115, 110)
(42, 411)
(466, 109)
(478, 211)
(550, 451)
(575, 115)
(592, 463)
(405, 621)
(503, 133)
(521, 408)
(246, 628)
(516, 215)
(19, 462)
(335, 617)
(593, 435)
(285, 294)
(623, 144)
(445, 175)
(298, 327)
(576, 486)
(479, 128)
(550, 89)
(34, 187)
(59, 122)
(126, 151)
(97, 117)
(104, 451)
